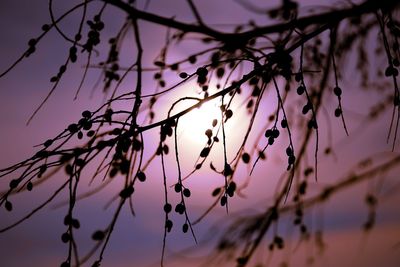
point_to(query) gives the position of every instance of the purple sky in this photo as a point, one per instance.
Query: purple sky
(137, 241)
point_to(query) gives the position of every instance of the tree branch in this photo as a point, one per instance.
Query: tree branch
(330, 17)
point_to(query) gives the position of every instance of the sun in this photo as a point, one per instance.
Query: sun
(195, 124)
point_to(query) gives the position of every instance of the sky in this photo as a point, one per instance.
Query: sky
(137, 240)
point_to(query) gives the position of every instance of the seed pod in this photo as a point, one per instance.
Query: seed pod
(48, 143)
(220, 72)
(216, 191)
(337, 91)
(202, 72)
(141, 176)
(186, 192)
(174, 66)
(167, 208)
(86, 114)
(275, 133)
(65, 237)
(338, 112)
(300, 90)
(183, 75)
(73, 128)
(284, 123)
(246, 158)
(208, 133)
(8, 205)
(14, 183)
(45, 27)
(223, 201)
(306, 108)
(185, 228)
(302, 188)
(98, 235)
(291, 160)
(389, 71)
(180, 208)
(228, 113)
(289, 151)
(126, 192)
(192, 59)
(178, 187)
(168, 225)
(159, 64)
(271, 141)
(29, 186)
(76, 224)
(204, 153)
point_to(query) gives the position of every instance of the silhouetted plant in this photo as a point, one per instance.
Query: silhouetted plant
(298, 70)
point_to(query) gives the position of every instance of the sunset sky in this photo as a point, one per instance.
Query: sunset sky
(137, 241)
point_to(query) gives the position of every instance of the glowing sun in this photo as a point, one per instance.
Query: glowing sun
(195, 124)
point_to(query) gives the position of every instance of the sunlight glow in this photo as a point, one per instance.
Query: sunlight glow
(195, 123)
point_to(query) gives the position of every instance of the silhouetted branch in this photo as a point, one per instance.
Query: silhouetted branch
(251, 69)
